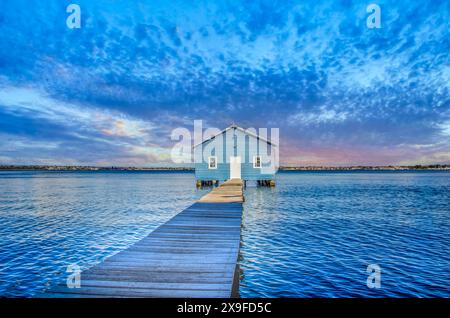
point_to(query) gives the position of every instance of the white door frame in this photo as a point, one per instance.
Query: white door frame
(235, 167)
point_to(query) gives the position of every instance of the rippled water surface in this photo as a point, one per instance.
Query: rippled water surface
(315, 234)
(311, 236)
(49, 220)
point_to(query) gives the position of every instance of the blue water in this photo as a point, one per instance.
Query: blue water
(313, 235)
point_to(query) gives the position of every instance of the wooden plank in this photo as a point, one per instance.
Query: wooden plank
(155, 273)
(215, 255)
(194, 254)
(167, 261)
(138, 292)
(159, 266)
(194, 243)
(170, 277)
(152, 285)
(180, 243)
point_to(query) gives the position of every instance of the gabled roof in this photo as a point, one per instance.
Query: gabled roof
(237, 128)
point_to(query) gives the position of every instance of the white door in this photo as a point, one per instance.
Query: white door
(235, 167)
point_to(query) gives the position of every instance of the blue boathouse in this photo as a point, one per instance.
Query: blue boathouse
(236, 153)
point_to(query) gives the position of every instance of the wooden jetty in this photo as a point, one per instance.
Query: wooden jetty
(230, 191)
(194, 254)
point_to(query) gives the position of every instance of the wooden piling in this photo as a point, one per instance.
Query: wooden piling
(266, 183)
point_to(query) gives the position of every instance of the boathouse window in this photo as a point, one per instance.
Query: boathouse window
(212, 162)
(257, 162)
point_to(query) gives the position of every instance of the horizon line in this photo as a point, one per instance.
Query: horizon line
(113, 167)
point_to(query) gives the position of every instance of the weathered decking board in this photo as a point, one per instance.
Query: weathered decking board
(194, 254)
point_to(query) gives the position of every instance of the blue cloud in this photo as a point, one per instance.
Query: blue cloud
(312, 68)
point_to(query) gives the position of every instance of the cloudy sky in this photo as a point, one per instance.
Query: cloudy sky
(111, 92)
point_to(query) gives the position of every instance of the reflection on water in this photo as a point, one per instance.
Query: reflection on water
(50, 220)
(313, 235)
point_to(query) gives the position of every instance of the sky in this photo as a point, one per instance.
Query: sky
(112, 91)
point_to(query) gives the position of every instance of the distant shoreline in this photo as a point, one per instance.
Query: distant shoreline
(306, 168)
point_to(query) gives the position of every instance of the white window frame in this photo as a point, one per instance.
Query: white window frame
(254, 162)
(209, 162)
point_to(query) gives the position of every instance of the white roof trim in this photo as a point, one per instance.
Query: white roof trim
(238, 128)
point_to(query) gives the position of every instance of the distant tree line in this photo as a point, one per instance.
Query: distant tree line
(285, 168)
